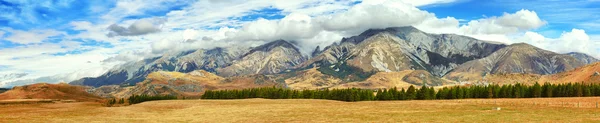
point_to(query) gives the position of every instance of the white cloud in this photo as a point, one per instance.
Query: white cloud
(139, 27)
(576, 40)
(31, 36)
(426, 2)
(439, 25)
(375, 14)
(522, 20)
(292, 27)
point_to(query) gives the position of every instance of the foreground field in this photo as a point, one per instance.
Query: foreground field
(262, 110)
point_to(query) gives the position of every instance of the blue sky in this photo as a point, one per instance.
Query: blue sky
(70, 39)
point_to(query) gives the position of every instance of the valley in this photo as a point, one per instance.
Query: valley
(309, 110)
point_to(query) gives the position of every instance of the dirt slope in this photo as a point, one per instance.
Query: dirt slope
(400, 79)
(60, 91)
(191, 84)
(586, 74)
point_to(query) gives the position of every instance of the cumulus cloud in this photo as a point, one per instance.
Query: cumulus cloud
(375, 14)
(31, 36)
(139, 27)
(532, 38)
(126, 56)
(427, 2)
(311, 31)
(522, 20)
(12, 76)
(293, 26)
(439, 25)
(68, 77)
(576, 40)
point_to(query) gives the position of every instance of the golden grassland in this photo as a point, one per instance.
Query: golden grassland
(306, 110)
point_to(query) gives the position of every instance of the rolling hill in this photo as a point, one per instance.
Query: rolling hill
(60, 91)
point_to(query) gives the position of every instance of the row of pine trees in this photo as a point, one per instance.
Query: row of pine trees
(135, 99)
(353, 94)
(412, 93)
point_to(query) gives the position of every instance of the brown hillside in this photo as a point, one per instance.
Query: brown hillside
(586, 74)
(60, 91)
(311, 79)
(400, 79)
(191, 84)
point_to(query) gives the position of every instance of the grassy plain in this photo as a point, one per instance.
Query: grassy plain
(305, 110)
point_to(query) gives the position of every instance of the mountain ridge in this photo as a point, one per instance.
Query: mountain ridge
(356, 58)
(516, 58)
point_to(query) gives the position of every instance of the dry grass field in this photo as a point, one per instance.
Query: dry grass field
(265, 110)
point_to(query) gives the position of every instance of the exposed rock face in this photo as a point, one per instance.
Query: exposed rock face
(582, 57)
(274, 57)
(586, 74)
(353, 59)
(316, 52)
(209, 60)
(441, 53)
(270, 58)
(134, 72)
(191, 84)
(516, 58)
(402, 48)
(382, 52)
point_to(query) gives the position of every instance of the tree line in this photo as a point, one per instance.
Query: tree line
(135, 99)
(353, 94)
(413, 93)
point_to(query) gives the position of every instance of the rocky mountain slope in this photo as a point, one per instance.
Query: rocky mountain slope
(274, 57)
(134, 72)
(60, 91)
(586, 74)
(516, 58)
(404, 52)
(397, 49)
(191, 84)
(582, 57)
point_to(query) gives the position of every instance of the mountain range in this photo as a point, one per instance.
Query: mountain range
(376, 58)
